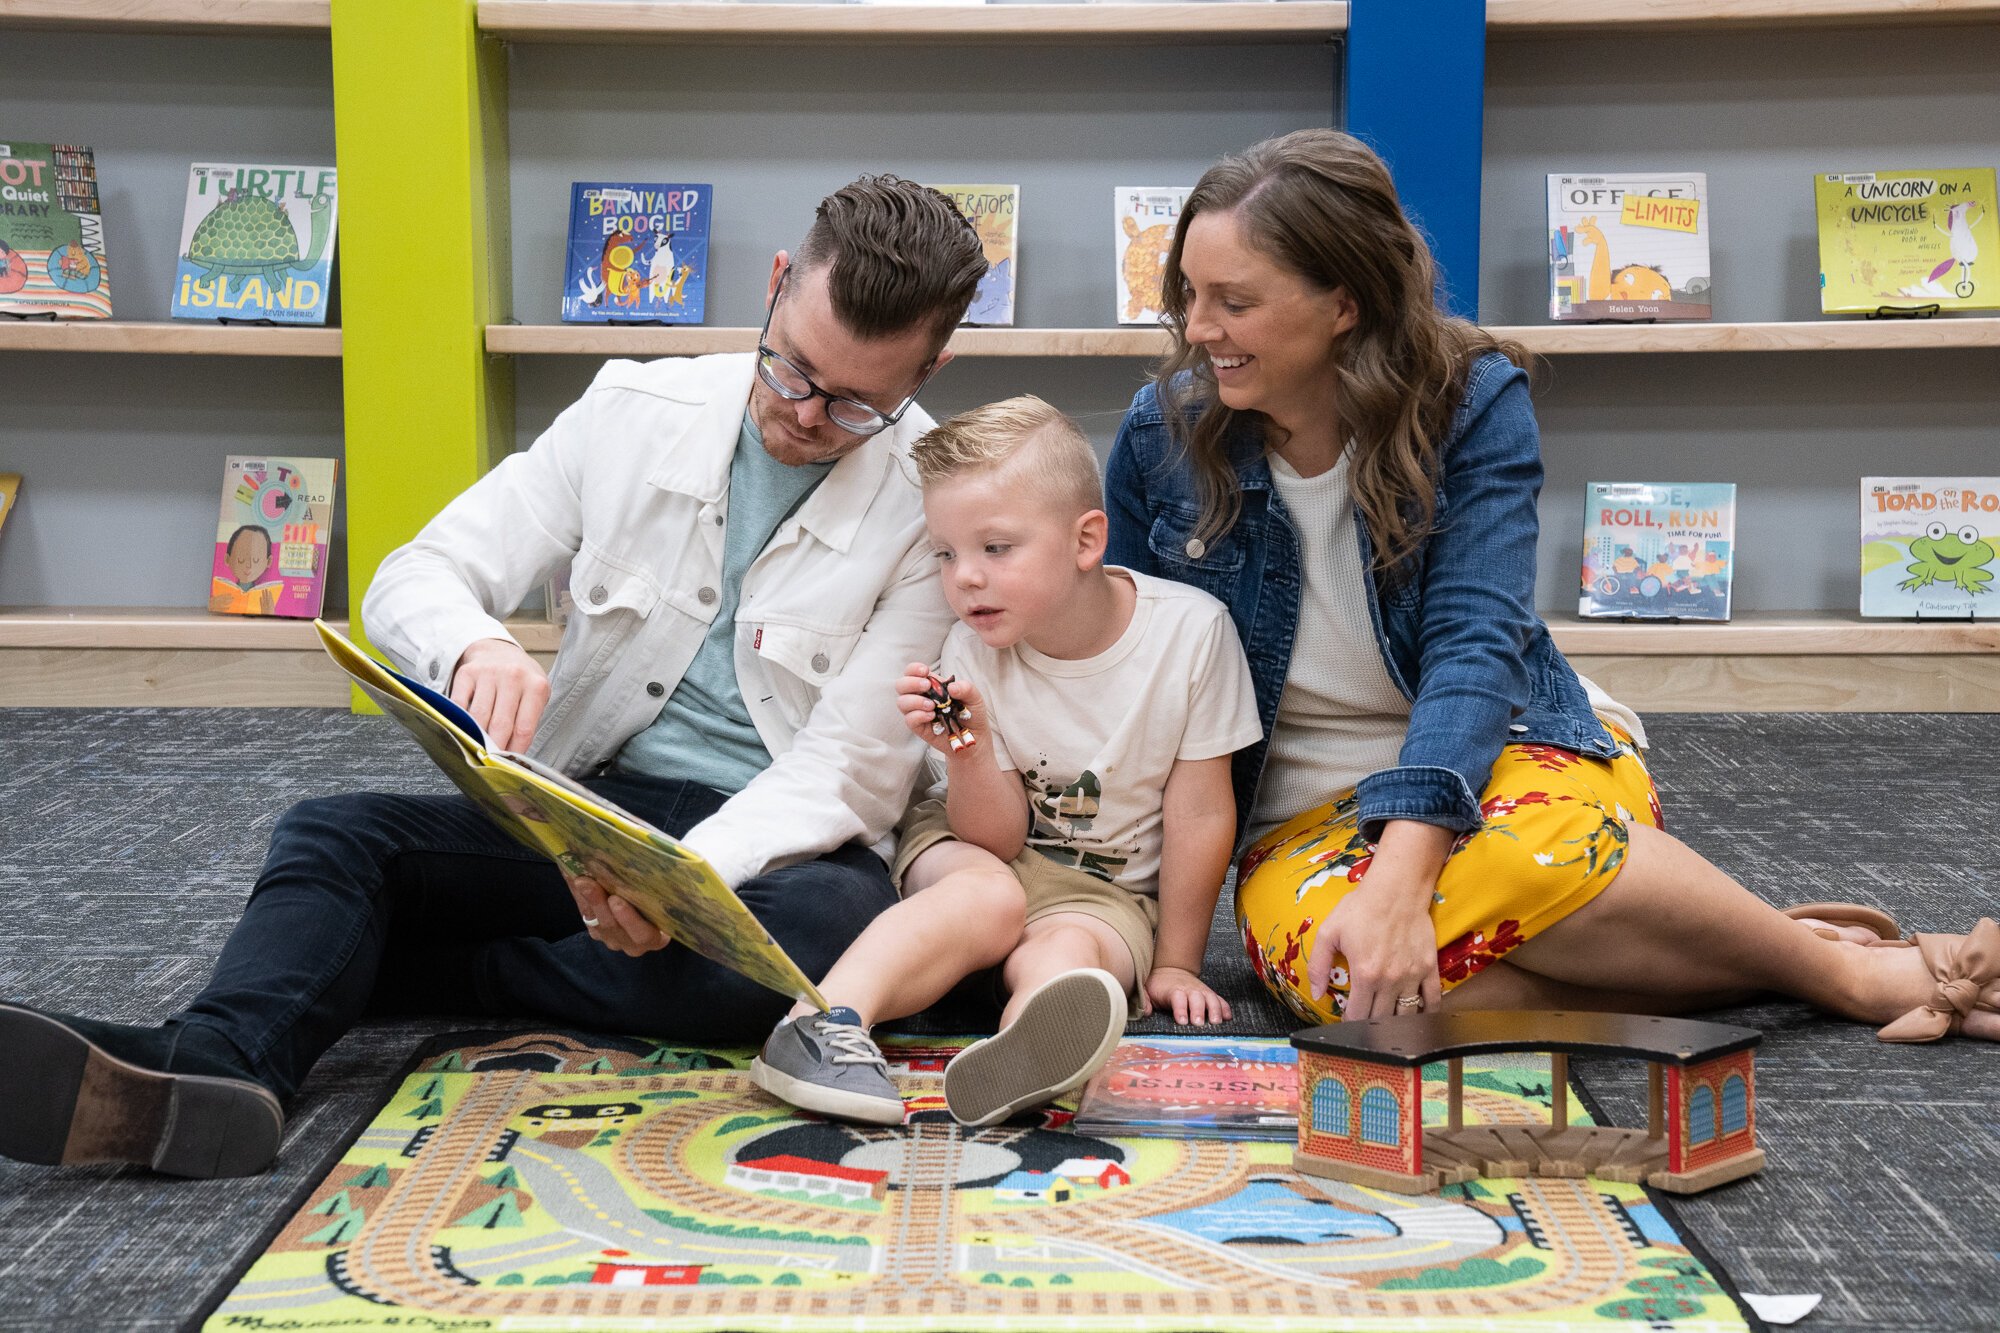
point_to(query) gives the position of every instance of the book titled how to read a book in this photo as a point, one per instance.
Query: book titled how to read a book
(670, 884)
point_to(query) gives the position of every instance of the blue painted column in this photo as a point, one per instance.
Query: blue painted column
(1416, 93)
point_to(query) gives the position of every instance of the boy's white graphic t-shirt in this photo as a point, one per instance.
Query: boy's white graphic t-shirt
(1094, 739)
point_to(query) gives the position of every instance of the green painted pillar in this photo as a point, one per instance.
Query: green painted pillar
(420, 124)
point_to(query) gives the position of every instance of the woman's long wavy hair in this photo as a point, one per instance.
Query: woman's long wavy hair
(1322, 205)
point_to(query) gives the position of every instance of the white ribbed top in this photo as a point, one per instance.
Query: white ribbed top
(1340, 717)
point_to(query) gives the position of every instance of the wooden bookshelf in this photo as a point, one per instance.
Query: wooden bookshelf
(186, 16)
(1068, 24)
(175, 339)
(1540, 18)
(689, 340)
(1761, 661)
(1802, 336)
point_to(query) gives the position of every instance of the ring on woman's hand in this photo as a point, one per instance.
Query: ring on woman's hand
(590, 921)
(1409, 1002)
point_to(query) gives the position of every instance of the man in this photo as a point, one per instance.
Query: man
(747, 556)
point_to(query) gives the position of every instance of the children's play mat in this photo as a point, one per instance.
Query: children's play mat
(547, 1181)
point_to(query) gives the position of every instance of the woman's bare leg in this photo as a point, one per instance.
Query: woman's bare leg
(1673, 933)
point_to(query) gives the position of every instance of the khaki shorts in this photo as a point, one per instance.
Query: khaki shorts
(1050, 888)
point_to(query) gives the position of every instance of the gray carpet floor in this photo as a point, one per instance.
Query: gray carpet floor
(128, 840)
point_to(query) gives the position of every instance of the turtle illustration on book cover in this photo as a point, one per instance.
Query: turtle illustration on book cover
(256, 243)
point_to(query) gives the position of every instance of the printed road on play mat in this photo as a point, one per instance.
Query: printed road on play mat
(543, 1181)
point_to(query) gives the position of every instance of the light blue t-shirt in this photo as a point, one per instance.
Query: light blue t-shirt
(703, 733)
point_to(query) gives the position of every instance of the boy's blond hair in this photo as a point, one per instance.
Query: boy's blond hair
(1052, 452)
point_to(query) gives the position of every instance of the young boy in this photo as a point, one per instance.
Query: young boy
(1086, 827)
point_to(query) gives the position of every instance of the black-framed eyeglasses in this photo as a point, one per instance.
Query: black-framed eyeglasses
(794, 385)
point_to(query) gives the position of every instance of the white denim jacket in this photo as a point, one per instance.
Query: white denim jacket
(629, 489)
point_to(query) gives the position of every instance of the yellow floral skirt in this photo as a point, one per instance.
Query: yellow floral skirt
(1554, 835)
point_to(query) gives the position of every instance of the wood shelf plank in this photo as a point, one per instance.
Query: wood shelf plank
(691, 340)
(177, 339)
(1752, 633)
(181, 16)
(1542, 339)
(1068, 24)
(1797, 336)
(1543, 18)
(1769, 633)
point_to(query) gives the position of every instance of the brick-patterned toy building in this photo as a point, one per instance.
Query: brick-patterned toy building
(1361, 1101)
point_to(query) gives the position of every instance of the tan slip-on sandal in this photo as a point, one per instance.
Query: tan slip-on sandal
(1890, 935)
(1967, 971)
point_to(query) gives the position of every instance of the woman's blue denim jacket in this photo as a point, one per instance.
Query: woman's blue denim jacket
(1459, 635)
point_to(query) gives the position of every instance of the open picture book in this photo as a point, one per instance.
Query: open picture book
(670, 884)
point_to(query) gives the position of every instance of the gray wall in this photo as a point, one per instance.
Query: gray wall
(1761, 113)
(123, 454)
(774, 129)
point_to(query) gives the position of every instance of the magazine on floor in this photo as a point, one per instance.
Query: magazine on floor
(669, 883)
(1195, 1088)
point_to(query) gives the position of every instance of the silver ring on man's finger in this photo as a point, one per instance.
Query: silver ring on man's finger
(590, 921)
(1410, 1002)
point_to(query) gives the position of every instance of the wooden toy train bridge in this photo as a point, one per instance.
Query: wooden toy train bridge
(1361, 1101)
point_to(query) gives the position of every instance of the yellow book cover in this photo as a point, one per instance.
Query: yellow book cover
(993, 211)
(10, 494)
(1900, 239)
(668, 882)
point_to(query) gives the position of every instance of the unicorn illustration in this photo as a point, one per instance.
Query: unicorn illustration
(1959, 221)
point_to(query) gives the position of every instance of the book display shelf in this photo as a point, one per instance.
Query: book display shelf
(430, 393)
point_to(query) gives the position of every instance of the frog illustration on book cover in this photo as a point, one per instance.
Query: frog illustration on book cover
(1930, 547)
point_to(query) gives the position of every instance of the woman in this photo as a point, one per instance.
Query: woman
(1441, 804)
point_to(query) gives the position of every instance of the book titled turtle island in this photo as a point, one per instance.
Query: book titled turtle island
(1658, 552)
(1892, 240)
(1629, 247)
(51, 232)
(992, 210)
(272, 540)
(637, 253)
(256, 243)
(1930, 547)
(1143, 220)
(1194, 1087)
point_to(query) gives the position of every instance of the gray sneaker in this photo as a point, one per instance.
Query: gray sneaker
(1063, 1034)
(828, 1063)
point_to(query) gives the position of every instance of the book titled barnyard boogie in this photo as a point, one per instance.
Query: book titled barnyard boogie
(52, 259)
(993, 212)
(1629, 246)
(1930, 547)
(272, 541)
(638, 253)
(1658, 552)
(256, 243)
(1143, 220)
(1907, 239)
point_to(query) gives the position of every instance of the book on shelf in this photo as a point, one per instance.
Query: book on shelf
(272, 541)
(1194, 1087)
(637, 253)
(1928, 547)
(992, 210)
(1629, 247)
(256, 243)
(1143, 220)
(1658, 552)
(669, 883)
(1891, 240)
(52, 258)
(10, 494)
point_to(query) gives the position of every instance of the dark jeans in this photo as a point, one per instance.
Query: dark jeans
(380, 904)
